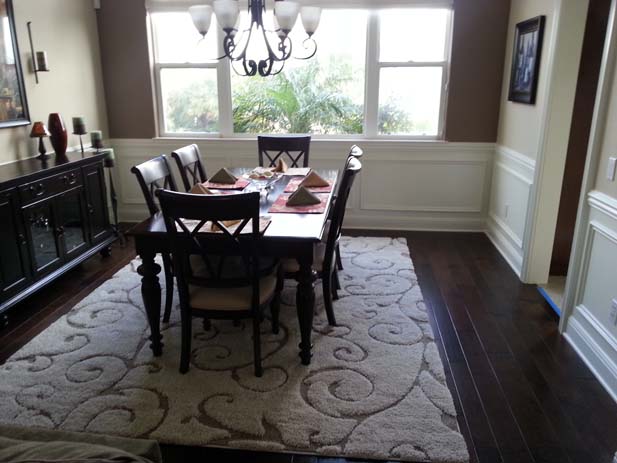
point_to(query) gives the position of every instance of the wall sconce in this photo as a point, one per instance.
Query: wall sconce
(39, 59)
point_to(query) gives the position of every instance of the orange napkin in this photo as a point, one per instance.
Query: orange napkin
(314, 180)
(302, 197)
(281, 166)
(199, 189)
(223, 176)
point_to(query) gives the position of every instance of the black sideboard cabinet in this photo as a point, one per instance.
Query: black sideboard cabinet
(53, 216)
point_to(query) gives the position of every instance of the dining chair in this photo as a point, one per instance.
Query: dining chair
(324, 253)
(153, 175)
(232, 283)
(292, 149)
(354, 153)
(190, 166)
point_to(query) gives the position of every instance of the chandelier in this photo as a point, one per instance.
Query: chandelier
(275, 46)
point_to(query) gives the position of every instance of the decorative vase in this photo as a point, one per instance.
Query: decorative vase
(59, 136)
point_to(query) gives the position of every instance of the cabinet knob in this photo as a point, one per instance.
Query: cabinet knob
(60, 230)
(37, 190)
(22, 239)
(90, 209)
(70, 179)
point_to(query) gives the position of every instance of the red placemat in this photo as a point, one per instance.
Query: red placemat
(280, 206)
(295, 182)
(241, 184)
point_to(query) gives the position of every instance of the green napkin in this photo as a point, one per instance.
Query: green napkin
(302, 197)
(223, 176)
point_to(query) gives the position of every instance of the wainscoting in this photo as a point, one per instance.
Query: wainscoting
(590, 329)
(404, 185)
(512, 179)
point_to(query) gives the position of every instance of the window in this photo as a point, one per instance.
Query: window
(376, 74)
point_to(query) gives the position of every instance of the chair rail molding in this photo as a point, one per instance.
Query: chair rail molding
(404, 185)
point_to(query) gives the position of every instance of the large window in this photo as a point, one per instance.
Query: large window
(376, 74)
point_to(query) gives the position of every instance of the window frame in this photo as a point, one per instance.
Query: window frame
(373, 67)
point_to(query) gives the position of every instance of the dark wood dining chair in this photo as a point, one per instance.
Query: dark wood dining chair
(190, 166)
(324, 252)
(294, 150)
(153, 175)
(231, 283)
(354, 153)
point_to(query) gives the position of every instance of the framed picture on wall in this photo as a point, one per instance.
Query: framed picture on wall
(526, 60)
(13, 103)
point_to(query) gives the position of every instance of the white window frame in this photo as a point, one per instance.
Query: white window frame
(373, 67)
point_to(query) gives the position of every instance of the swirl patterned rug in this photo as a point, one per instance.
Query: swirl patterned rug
(375, 388)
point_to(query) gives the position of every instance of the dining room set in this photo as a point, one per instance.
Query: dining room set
(230, 240)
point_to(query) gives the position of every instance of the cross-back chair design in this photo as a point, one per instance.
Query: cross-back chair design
(153, 175)
(294, 150)
(231, 283)
(190, 166)
(324, 253)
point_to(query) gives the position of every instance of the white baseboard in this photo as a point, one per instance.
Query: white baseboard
(502, 238)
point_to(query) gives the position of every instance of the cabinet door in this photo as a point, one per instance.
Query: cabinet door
(71, 223)
(14, 265)
(96, 198)
(45, 251)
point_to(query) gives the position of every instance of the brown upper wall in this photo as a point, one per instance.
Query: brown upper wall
(126, 68)
(478, 49)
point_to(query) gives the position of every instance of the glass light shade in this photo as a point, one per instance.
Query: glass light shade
(277, 29)
(287, 14)
(227, 13)
(202, 17)
(39, 130)
(310, 18)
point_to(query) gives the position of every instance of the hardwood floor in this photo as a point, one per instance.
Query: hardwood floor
(522, 394)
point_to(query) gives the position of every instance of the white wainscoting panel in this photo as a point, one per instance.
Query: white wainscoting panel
(512, 180)
(403, 185)
(590, 329)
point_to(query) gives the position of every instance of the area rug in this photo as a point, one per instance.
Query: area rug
(375, 388)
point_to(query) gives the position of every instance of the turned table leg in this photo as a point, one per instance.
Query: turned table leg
(305, 303)
(151, 293)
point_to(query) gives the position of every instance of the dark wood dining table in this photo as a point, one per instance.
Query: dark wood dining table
(288, 236)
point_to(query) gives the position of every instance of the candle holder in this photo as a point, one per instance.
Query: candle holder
(96, 140)
(79, 128)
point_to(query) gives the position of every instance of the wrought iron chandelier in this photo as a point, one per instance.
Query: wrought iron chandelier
(276, 44)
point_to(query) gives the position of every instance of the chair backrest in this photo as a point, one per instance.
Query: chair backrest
(190, 166)
(356, 152)
(353, 168)
(293, 149)
(153, 175)
(231, 257)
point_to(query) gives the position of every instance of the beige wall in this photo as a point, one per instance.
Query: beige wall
(609, 143)
(520, 124)
(475, 86)
(66, 29)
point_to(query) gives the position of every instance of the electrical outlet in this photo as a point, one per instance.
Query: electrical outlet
(613, 313)
(612, 166)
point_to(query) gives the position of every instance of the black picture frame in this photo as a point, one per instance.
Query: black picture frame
(14, 110)
(526, 58)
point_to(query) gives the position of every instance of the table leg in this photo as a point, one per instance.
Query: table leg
(151, 294)
(305, 303)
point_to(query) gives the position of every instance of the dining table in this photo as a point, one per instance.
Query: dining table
(288, 236)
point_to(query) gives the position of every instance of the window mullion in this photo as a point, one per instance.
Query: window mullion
(226, 124)
(371, 104)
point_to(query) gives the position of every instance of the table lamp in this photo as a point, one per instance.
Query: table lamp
(39, 130)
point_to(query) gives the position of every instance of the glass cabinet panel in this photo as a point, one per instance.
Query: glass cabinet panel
(71, 221)
(13, 265)
(40, 221)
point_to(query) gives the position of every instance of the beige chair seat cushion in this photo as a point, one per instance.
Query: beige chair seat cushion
(230, 299)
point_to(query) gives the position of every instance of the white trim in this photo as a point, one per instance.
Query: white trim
(603, 203)
(506, 242)
(591, 166)
(179, 5)
(519, 158)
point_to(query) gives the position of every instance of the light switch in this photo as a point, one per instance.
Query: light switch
(612, 165)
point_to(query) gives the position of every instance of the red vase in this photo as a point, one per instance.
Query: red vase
(59, 136)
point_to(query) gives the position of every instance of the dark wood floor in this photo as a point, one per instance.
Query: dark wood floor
(521, 392)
